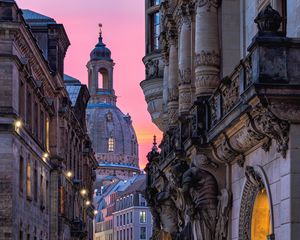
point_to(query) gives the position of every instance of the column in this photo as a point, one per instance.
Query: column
(207, 54)
(185, 73)
(173, 79)
(165, 89)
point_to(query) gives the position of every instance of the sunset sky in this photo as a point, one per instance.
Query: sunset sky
(123, 32)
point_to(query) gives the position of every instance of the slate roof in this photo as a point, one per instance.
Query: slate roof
(73, 87)
(34, 18)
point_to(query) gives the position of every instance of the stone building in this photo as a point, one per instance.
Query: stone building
(113, 136)
(123, 213)
(46, 159)
(222, 83)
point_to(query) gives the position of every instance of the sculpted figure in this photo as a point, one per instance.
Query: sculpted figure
(176, 173)
(223, 214)
(167, 210)
(200, 192)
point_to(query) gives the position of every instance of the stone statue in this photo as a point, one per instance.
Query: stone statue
(176, 173)
(200, 192)
(167, 209)
(224, 205)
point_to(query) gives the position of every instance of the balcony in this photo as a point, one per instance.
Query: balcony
(153, 87)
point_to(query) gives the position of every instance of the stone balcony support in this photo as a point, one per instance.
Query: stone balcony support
(173, 81)
(207, 56)
(185, 73)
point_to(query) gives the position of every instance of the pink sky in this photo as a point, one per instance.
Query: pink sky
(123, 32)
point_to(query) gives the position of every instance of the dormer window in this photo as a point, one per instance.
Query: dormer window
(111, 144)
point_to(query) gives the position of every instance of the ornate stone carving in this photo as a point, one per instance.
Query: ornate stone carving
(269, 125)
(173, 94)
(185, 76)
(207, 3)
(253, 185)
(207, 59)
(268, 20)
(230, 93)
(153, 69)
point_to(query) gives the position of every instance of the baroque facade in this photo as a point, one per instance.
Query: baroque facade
(222, 83)
(46, 157)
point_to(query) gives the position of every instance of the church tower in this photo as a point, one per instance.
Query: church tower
(113, 136)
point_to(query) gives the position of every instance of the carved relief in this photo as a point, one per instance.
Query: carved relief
(173, 94)
(185, 76)
(230, 93)
(153, 69)
(208, 3)
(207, 59)
(269, 125)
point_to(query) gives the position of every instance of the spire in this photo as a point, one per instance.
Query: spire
(100, 33)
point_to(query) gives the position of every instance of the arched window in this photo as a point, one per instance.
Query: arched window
(111, 144)
(103, 78)
(261, 221)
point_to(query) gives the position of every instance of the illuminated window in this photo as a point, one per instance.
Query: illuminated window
(28, 180)
(142, 216)
(260, 224)
(111, 144)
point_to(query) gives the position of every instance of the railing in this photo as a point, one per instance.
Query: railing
(227, 95)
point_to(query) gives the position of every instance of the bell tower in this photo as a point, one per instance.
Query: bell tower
(100, 73)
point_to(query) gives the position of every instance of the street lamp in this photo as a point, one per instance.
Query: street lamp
(18, 124)
(69, 174)
(83, 192)
(87, 203)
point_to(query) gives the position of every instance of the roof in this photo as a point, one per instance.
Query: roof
(35, 18)
(112, 166)
(73, 87)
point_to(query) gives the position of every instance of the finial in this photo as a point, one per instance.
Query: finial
(154, 141)
(100, 29)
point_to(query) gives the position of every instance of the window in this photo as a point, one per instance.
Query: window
(35, 184)
(42, 191)
(142, 216)
(118, 235)
(124, 221)
(127, 216)
(143, 233)
(21, 100)
(117, 220)
(127, 233)
(29, 110)
(21, 174)
(36, 120)
(21, 235)
(155, 2)
(47, 196)
(130, 217)
(131, 234)
(121, 236)
(47, 135)
(111, 144)
(42, 127)
(155, 30)
(120, 220)
(28, 180)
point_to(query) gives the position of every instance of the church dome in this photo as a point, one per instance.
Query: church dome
(101, 52)
(113, 137)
